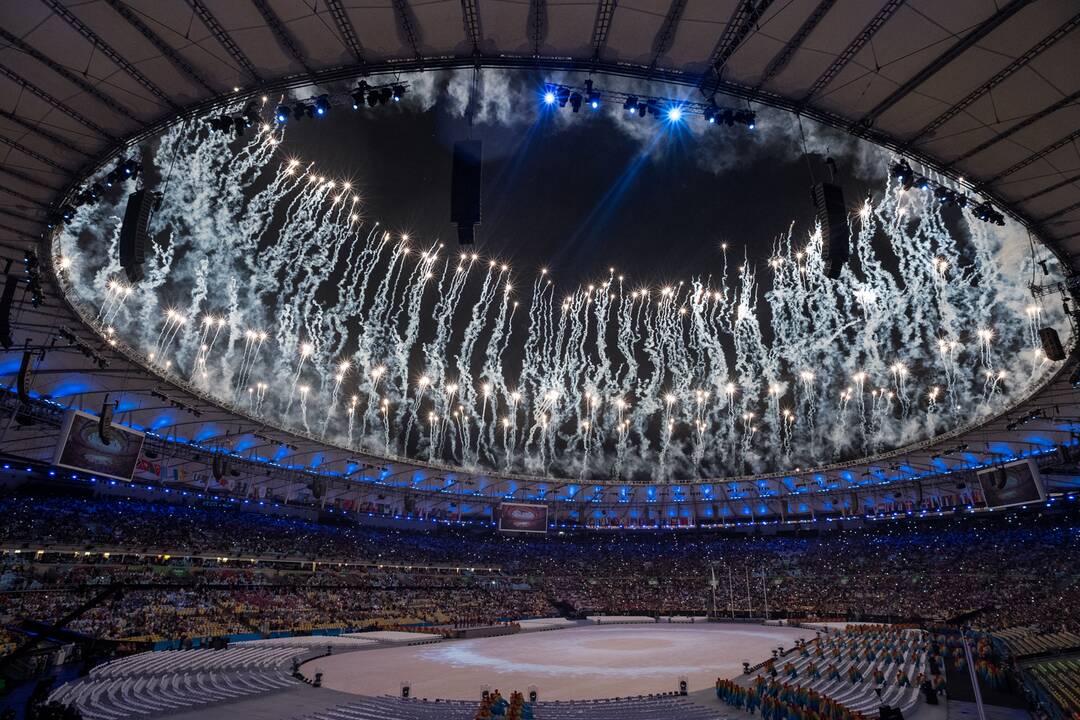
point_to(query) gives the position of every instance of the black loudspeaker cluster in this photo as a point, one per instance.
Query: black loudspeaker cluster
(1051, 344)
(832, 216)
(133, 233)
(465, 189)
(7, 297)
(105, 430)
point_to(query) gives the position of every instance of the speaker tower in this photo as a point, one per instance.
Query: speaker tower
(465, 189)
(133, 234)
(832, 216)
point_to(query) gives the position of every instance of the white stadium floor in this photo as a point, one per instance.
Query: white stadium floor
(571, 664)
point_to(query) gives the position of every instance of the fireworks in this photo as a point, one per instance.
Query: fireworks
(468, 360)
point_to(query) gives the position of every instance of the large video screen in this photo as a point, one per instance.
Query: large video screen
(1014, 484)
(522, 517)
(81, 448)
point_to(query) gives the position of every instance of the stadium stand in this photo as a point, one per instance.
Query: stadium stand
(156, 682)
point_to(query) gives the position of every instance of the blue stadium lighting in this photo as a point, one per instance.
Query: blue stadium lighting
(549, 98)
(675, 113)
(281, 115)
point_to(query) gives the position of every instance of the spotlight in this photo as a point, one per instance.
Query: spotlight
(396, 93)
(239, 125)
(549, 97)
(281, 115)
(591, 96)
(221, 123)
(359, 95)
(944, 195)
(904, 174)
(631, 104)
(922, 182)
(642, 108)
(322, 105)
(710, 115)
(744, 117)
(251, 115)
(674, 113)
(373, 98)
(299, 111)
(727, 117)
(985, 211)
(575, 101)
(562, 94)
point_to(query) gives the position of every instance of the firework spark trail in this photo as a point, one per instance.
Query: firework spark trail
(820, 369)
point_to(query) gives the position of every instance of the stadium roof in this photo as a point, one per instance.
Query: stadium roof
(984, 90)
(987, 89)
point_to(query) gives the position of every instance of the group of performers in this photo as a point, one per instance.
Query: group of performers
(882, 655)
(494, 705)
(782, 701)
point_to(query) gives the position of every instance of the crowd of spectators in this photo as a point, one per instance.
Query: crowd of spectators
(262, 573)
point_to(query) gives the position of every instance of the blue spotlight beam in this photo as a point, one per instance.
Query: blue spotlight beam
(670, 109)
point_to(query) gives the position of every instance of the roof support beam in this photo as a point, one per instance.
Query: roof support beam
(1033, 52)
(853, 48)
(26, 178)
(537, 24)
(19, 216)
(604, 12)
(61, 11)
(17, 231)
(24, 198)
(46, 97)
(404, 15)
(1033, 158)
(67, 75)
(742, 23)
(956, 50)
(346, 29)
(782, 58)
(471, 19)
(38, 130)
(1012, 130)
(163, 47)
(1058, 213)
(284, 37)
(1056, 186)
(665, 36)
(43, 159)
(223, 37)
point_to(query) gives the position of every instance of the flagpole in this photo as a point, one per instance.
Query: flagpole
(749, 602)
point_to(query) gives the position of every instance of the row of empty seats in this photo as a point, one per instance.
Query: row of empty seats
(1061, 678)
(237, 657)
(313, 642)
(645, 708)
(1030, 641)
(154, 683)
(121, 697)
